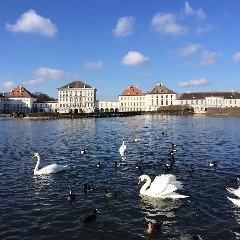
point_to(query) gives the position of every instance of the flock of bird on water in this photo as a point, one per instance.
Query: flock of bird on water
(163, 186)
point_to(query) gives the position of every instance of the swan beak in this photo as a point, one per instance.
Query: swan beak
(138, 181)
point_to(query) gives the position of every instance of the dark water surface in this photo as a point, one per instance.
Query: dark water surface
(36, 207)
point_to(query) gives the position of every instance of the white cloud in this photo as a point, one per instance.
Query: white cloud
(34, 81)
(44, 72)
(93, 65)
(236, 57)
(134, 59)
(31, 22)
(202, 30)
(188, 10)
(194, 82)
(189, 49)
(166, 23)
(8, 84)
(124, 27)
(208, 58)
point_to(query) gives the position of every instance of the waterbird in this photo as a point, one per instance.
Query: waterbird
(50, 169)
(190, 168)
(87, 188)
(153, 227)
(99, 165)
(168, 166)
(116, 164)
(213, 164)
(122, 148)
(110, 194)
(83, 151)
(90, 218)
(163, 186)
(71, 197)
(233, 179)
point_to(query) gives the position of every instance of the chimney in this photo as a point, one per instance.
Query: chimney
(68, 86)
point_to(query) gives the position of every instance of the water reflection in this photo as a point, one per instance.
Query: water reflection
(155, 207)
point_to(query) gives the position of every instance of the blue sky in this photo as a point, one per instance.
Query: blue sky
(110, 44)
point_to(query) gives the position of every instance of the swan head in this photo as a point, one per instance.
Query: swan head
(35, 155)
(143, 178)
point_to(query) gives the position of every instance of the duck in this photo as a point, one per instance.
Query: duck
(213, 164)
(110, 194)
(71, 197)
(233, 179)
(99, 165)
(168, 166)
(122, 148)
(136, 139)
(83, 151)
(140, 168)
(116, 164)
(190, 168)
(50, 169)
(87, 188)
(90, 218)
(153, 227)
(163, 186)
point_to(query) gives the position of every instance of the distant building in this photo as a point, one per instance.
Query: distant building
(159, 96)
(19, 100)
(131, 100)
(76, 97)
(1, 102)
(200, 101)
(107, 106)
(44, 103)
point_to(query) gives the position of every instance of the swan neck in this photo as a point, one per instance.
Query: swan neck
(37, 165)
(145, 185)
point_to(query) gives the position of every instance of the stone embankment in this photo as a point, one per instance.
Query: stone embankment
(176, 110)
(230, 111)
(80, 115)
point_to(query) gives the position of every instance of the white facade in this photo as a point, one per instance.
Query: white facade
(76, 97)
(201, 101)
(158, 97)
(47, 106)
(107, 106)
(131, 103)
(131, 100)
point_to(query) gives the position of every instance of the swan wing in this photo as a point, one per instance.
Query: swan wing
(164, 184)
(235, 201)
(174, 195)
(237, 192)
(53, 168)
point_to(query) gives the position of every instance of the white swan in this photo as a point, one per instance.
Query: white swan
(53, 168)
(235, 201)
(163, 186)
(122, 148)
(234, 191)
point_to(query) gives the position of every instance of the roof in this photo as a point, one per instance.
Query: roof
(203, 95)
(132, 91)
(19, 91)
(161, 89)
(41, 97)
(76, 84)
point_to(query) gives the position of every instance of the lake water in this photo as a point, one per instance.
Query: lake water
(36, 207)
